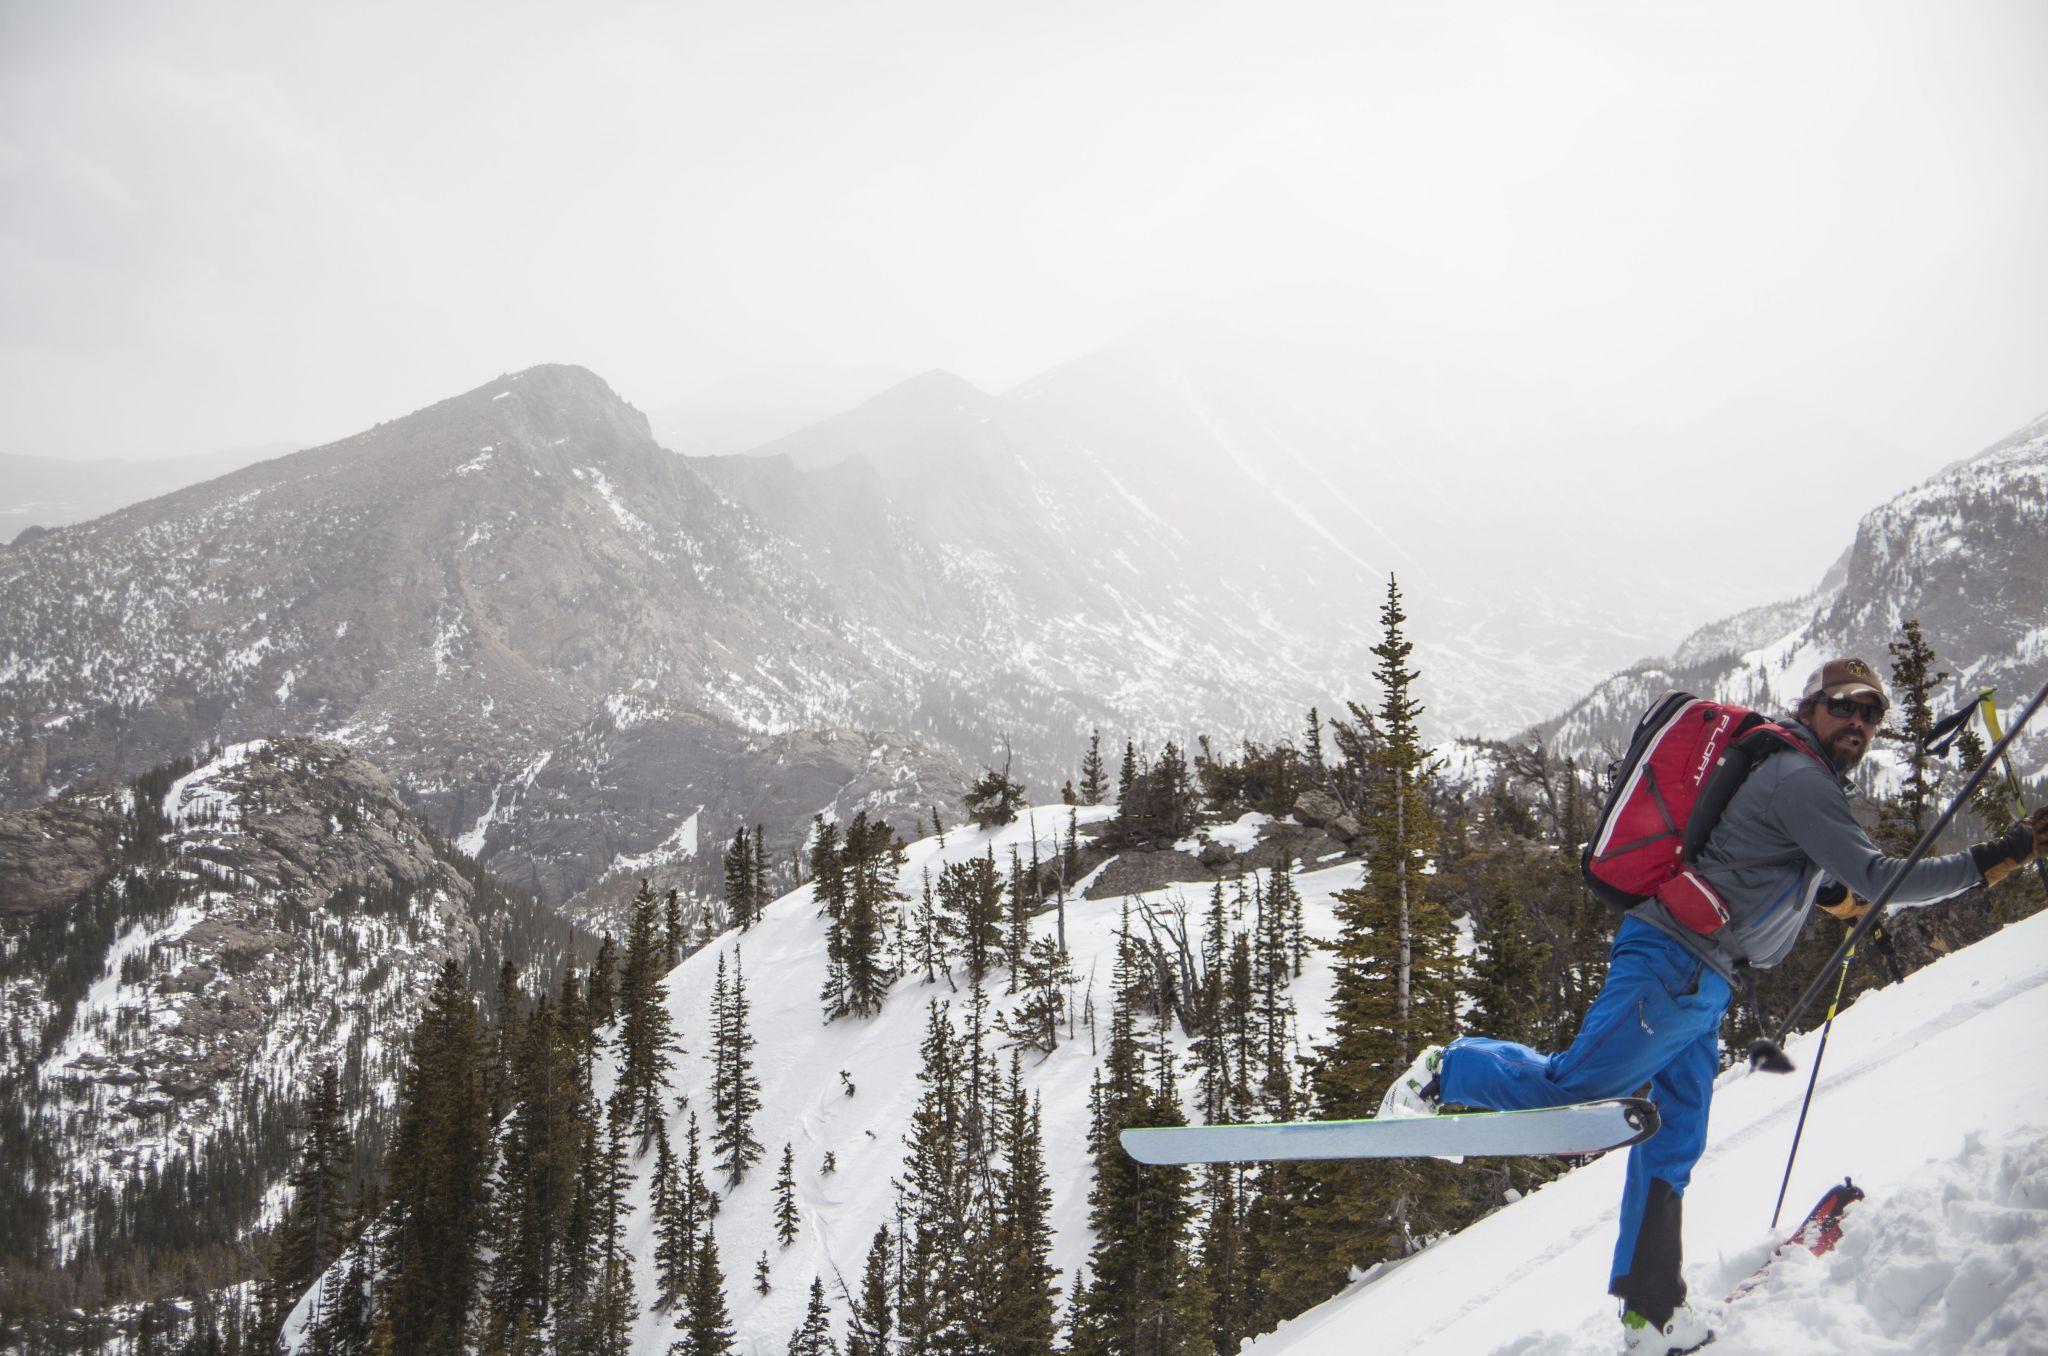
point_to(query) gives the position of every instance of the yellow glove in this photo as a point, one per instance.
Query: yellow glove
(1834, 898)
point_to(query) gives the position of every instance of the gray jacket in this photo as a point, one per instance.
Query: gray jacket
(1785, 833)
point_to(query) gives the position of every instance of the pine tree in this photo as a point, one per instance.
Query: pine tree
(1914, 679)
(706, 1324)
(674, 1213)
(858, 970)
(1147, 1298)
(1507, 974)
(994, 799)
(1094, 782)
(646, 1042)
(869, 1329)
(1019, 1314)
(814, 1336)
(763, 1276)
(936, 1199)
(828, 879)
(315, 1226)
(785, 1198)
(1394, 989)
(971, 918)
(740, 892)
(928, 943)
(735, 1092)
(607, 1325)
(598, 994)
(672, 928)
(436, 1165)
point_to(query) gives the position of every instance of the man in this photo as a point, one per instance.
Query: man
(1786, 843)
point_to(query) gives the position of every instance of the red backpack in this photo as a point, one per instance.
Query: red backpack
(1684, 762)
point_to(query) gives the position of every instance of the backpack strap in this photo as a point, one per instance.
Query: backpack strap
(1758, 740)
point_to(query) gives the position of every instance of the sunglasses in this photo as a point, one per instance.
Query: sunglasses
(1870, 713)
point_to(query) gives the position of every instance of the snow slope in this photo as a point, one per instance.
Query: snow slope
(1933, 1097)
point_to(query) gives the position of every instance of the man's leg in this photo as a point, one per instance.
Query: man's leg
(1623, 1040)
(1647, 1273)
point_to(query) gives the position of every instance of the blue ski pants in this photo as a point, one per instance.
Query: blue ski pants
(1656, 1021)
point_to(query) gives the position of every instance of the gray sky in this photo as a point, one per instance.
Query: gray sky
(227, 224)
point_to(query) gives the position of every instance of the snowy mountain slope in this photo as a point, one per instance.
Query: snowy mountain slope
(798, 1061)
(1965, 554)
(271, 910)
(1933, 1097)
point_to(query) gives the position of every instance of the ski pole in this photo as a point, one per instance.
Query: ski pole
(1770, 1055)
(1812, 1079)
(2012, 781)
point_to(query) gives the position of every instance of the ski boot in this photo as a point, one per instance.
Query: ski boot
(1415, 1092)
(1686, 1330)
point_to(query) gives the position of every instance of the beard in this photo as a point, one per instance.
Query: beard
(1846, 748)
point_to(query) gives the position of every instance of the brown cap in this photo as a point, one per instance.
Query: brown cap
(1845, 678)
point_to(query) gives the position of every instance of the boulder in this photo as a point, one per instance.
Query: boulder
(1316, 808)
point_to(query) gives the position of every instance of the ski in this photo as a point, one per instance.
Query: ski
(1581, 1128)
(1817, 1233)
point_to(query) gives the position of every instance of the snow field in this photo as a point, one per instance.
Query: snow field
(798, 1059)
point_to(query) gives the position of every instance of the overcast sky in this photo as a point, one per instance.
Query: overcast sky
(228, 224)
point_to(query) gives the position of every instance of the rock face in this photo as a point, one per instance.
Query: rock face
(52, 851)
(243, 923)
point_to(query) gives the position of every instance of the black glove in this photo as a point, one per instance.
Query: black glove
(2020, 844)
(1834, 898)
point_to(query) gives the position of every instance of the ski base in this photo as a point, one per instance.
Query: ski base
(1581, 1128)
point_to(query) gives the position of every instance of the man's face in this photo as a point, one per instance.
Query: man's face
(1846, 737)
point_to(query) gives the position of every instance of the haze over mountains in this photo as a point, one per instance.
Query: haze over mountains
(583, 657)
